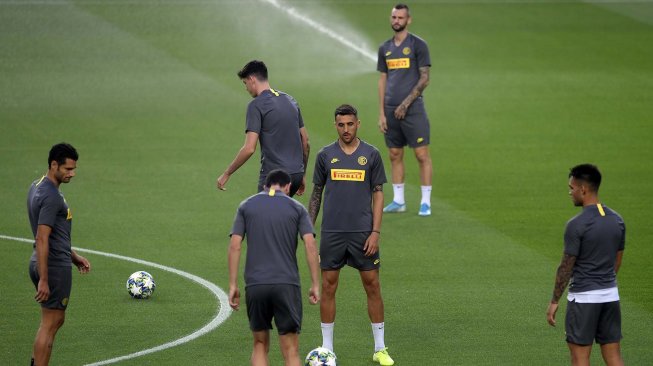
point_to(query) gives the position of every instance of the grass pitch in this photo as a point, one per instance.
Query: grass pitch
(147, 91)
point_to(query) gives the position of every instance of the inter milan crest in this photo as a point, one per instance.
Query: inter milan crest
(406, 51)
(362, 160)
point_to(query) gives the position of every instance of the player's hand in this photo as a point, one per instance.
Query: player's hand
(551, 314)
(314, 295)
(42, 291)
(83, 265)
(400, 112)
(302, 187)
(371, 244)
(222, 181)
(234, 298)
(383, 124)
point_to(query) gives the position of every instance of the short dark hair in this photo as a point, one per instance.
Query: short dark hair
(256, 68)
(403, 6)
(345, 110)
(588, 173)
(62, 151)
(277, 176)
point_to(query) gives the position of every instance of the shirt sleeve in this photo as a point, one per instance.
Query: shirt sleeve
(622, 244)
(50, 206)
(378, 171)
(319, 173)
(572, 238)
(422, 54)
(253, 119)
(239, 222)
(305, 225)
(381, 66)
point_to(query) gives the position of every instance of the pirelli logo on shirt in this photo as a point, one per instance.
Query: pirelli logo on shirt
(398, 63)
(348, 174)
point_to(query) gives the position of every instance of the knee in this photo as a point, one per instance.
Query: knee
(372, 288)
(423, 157)
(329, 288)
(396, 154)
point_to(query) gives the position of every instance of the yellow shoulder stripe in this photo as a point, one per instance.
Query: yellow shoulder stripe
(598, 205)
(271, 192)
(276, 93)
(40, 180)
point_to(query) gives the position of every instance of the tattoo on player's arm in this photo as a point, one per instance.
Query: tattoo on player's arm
(562, 276)
(378, 188)
(314, 202)
(422, 83)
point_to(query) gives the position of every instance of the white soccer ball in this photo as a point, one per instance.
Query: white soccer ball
(140, 285)
(320, 357)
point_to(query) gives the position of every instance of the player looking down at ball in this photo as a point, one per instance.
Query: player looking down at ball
(271, 221)
(53, 256)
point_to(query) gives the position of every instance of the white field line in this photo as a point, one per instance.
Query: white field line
(293, 13)
(223, 313)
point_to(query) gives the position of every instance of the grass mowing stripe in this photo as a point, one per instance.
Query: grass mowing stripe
(223, 302)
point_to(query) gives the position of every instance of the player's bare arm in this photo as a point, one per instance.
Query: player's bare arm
(314, 267)
(372, 242)
(42, 250)
(246, 151)
(314, 202)
(422, 83)
(234, 260)
(82, 264)
(383, 123)
(306, 151)
(617, 263)
(563, 274)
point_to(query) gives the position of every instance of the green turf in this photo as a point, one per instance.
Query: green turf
(147, 91)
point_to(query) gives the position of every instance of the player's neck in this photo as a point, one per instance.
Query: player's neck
(53, 179)
(591, 201)
(400, 36)
(349, 148)
(261, 87)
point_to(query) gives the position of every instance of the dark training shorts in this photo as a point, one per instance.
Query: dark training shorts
(338, 249)
(281, 302)
(414, 130)
(585, 323)
(295, 182)
(60, 281)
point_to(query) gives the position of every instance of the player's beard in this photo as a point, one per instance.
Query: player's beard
(398, 28)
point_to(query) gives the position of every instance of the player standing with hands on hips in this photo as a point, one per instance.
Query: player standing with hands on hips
(274, 119)
(351, 175)
(594, 246)
(53, 256)
(271, 221)
(404, 64)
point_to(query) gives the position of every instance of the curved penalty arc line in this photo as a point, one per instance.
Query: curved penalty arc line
(223, 313)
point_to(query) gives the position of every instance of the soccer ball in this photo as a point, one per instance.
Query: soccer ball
(320, 357)
(140, 285)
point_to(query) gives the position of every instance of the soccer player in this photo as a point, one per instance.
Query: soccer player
(350, 174)
(271, 221)
(404, 64)
(594, 245)
(274, 118)
(52, 259)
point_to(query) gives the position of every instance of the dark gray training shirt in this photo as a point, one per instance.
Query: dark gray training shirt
(46, 206)
(276, 118)
(402, 64)
(348, 181)
(594, 236)
(270, 222)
